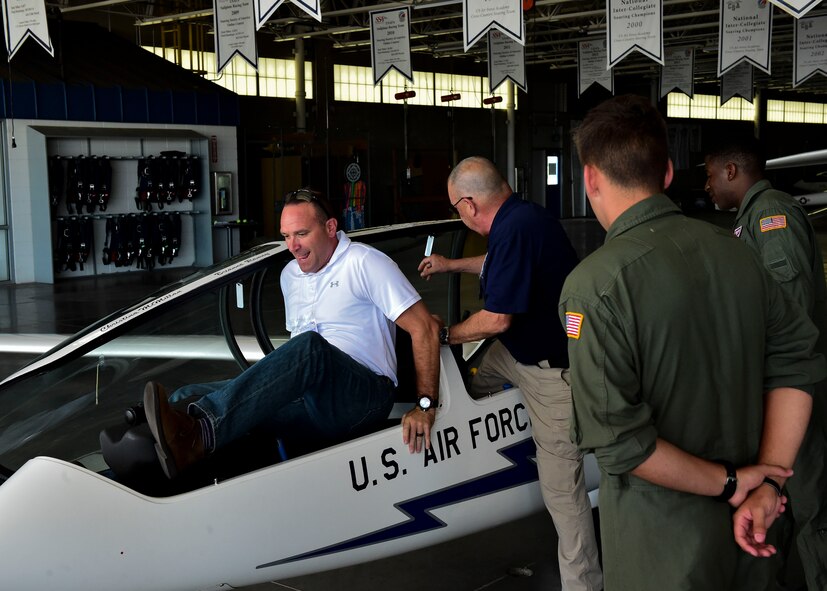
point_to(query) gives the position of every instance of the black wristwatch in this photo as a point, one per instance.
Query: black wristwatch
(731, 482)
(444, 335)
(425, 403)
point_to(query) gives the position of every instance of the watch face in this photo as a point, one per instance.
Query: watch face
(443, 336)
(424, 403)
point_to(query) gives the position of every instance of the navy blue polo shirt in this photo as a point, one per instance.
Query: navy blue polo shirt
(529, 257)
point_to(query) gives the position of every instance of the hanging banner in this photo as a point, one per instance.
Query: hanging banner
(744, 34)
(591, 66)
(634, 25)
(677, 71)
(390, 42)
(24, 19)
(478, 16)
(506, 60)
(809, 48)
(266, 8)
(796, 8)
(737, 82)
(235, 32)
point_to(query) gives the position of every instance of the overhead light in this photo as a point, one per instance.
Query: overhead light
(173, 18)
(435, 4)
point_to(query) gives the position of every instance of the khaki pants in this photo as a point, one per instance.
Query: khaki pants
(560, 464)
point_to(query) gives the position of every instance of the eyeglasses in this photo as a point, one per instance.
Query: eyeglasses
(307, 196)
(455, 203)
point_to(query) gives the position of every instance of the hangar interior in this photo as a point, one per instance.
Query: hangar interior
(108, 92)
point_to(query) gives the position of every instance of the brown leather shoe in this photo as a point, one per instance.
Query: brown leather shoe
(178, 440)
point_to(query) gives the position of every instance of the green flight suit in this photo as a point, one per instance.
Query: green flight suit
(670, 324)
(777, 227)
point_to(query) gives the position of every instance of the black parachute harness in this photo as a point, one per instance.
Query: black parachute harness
(102, 178)
(74, 184)
(145, 254)
(190, 174)
(145, 192)
(168, 233)
(74, 243)
(57, 180)
(88, 182)
(141, 238)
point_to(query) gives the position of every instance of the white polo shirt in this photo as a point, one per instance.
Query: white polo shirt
(353, 302)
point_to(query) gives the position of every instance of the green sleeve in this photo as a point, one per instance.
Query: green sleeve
(785, 252)
(790, 358)
(609, 415)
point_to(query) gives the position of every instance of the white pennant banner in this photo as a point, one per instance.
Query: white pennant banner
(390, 42)
(809, 48)
(677, 72)
(478, 16)
(266, 8)
(24, 19)
(634, 25)
(591, 66)
(737, 82)
(235, 32)
(744, 34)
(506, 60)
(797, 8)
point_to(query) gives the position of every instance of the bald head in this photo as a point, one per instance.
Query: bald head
(477, 177)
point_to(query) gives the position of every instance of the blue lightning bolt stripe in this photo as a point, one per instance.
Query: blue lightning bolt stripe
(522, 471)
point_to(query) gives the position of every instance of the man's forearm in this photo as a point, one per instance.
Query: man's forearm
(671, 467)
(481, 325)
(467, 264)
(786, 416)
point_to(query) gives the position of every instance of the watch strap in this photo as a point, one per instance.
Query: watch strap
(773, 484)
(731, 483)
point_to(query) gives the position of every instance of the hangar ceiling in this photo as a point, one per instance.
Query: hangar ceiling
(553, 28)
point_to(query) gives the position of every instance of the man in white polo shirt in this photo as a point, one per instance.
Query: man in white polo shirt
(337, 373)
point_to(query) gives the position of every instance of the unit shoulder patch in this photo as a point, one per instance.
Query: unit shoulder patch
(574, 323)
(773, 222)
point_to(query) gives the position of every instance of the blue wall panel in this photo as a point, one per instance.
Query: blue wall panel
(80, 101)
(108, 106)
(51, 101)
(24, 100)
(160, 106)
(230, 109)
(135, 105)
(208, 110)
(84, 102)
(184, 107)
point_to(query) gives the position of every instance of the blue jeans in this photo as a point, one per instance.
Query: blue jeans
(306, 387)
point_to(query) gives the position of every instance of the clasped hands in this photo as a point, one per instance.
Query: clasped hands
(758, 506)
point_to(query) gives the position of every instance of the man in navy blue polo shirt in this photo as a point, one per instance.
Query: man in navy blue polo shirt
(521, 276)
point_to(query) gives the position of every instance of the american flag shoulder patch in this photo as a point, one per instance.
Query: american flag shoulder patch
(574, 322)
(773, 222)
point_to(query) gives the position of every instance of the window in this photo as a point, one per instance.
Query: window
(679, 105)
(795, 112)
(706, 106)
(275, 77)
(355, 83)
